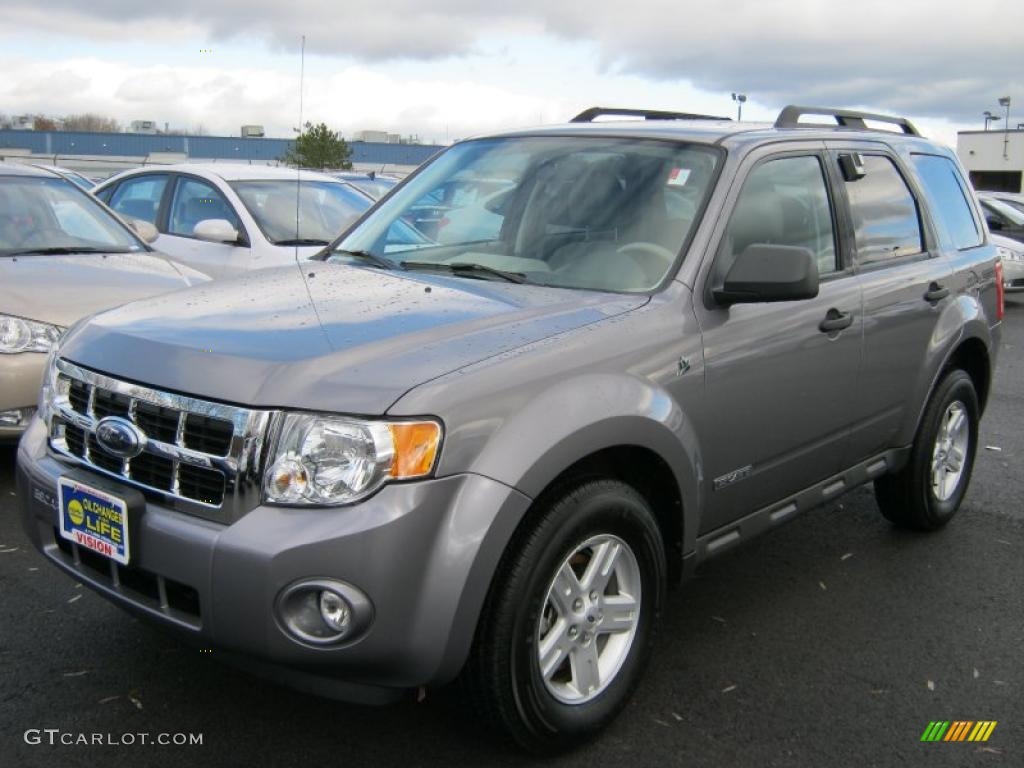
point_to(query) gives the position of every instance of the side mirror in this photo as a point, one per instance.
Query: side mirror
(765, 273)
(216, 231)
(144, 229)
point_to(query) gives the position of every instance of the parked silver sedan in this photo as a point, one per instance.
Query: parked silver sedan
(225, 219)
(63, 256)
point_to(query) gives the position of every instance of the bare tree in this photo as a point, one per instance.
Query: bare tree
(91, 122)
(44, 124)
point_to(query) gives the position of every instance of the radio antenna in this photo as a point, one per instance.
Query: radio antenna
(298, 164)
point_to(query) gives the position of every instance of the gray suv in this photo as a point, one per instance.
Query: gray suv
(412, 461)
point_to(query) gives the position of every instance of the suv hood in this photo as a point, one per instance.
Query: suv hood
(62, 289)
(326, 337)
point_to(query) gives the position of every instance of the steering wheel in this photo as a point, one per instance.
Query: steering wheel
(641, 247)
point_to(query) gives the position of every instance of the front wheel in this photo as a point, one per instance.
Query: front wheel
(927, 492)
(570, 617)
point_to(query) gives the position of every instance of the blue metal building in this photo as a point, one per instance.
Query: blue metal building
(196, 147)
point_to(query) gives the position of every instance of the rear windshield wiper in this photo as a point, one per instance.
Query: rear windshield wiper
(302, 241)
(466, 268)
(372, 258)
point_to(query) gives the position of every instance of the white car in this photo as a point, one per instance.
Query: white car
(226, 219)
(1012, 253)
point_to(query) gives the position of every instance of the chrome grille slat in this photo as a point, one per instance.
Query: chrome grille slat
(220, 486)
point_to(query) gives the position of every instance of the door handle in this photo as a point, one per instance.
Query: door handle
(936, 292)
(836, 321)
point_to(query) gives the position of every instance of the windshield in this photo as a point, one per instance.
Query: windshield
(1007, 210)
(375, 188)
(592, 213)
(51, 214)
(79, 180)
(326, 208)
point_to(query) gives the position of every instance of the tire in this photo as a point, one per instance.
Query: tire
(920, 496)
(578, 527)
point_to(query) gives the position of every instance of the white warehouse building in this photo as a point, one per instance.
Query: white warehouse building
(994, 159)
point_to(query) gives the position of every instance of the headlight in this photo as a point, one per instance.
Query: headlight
(20, 335)
(320, 459)
(52, 387)
(1009, 254)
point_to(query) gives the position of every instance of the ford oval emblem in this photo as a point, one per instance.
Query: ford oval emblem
(120, 437)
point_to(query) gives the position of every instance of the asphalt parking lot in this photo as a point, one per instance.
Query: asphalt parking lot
(832, 642)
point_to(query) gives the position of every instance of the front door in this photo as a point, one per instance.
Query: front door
(192, 201)
(780, 377)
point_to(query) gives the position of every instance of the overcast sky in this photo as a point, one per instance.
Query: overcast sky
(444, 69)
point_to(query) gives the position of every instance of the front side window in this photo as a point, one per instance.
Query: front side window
(886, 224)
(301, 213)
(195, 201)
(139, 197)
(48, 214)
(947, 199)
(783, 202)
(589, 213)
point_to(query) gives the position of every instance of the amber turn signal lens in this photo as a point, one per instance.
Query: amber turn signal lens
(416, 445)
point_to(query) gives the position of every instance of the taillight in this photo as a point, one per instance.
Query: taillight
(1000, 291)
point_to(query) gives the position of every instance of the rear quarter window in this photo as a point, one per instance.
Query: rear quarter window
(945, 191)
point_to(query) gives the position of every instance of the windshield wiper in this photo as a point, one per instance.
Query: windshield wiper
(302, 241)
(57, 250)
(372, 258)
(466, 268)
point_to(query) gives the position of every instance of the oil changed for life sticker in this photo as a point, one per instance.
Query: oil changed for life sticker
(93, 519)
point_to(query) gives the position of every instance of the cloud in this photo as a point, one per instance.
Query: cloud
(220, 100)
(942, 58)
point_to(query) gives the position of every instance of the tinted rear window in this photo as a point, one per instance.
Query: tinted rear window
(945, 192)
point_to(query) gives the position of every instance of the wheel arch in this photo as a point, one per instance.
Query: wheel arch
(970, 355)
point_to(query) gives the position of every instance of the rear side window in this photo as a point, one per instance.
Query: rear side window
(139, 197)
(886, 223)
(945, 192)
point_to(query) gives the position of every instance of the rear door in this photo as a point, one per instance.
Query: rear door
(779, 383)
(907, 283)
(138, 197)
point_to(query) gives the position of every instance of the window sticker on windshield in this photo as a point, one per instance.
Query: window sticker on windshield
(677, 177)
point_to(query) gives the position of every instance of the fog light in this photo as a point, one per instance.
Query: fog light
(323, 612)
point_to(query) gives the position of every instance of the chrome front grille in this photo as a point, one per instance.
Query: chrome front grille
(200, 457)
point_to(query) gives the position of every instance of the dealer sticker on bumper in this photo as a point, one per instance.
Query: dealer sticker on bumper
(93, 519)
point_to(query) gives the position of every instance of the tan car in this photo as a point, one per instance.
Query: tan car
(63, 256)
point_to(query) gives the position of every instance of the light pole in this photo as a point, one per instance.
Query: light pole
(1005, 102)
(989, 118)
(739, 98)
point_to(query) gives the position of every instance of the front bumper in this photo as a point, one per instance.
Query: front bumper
(423, 552)
(21, 376)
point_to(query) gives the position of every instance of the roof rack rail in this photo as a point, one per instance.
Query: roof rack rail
(790, 116)
(588, 115)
